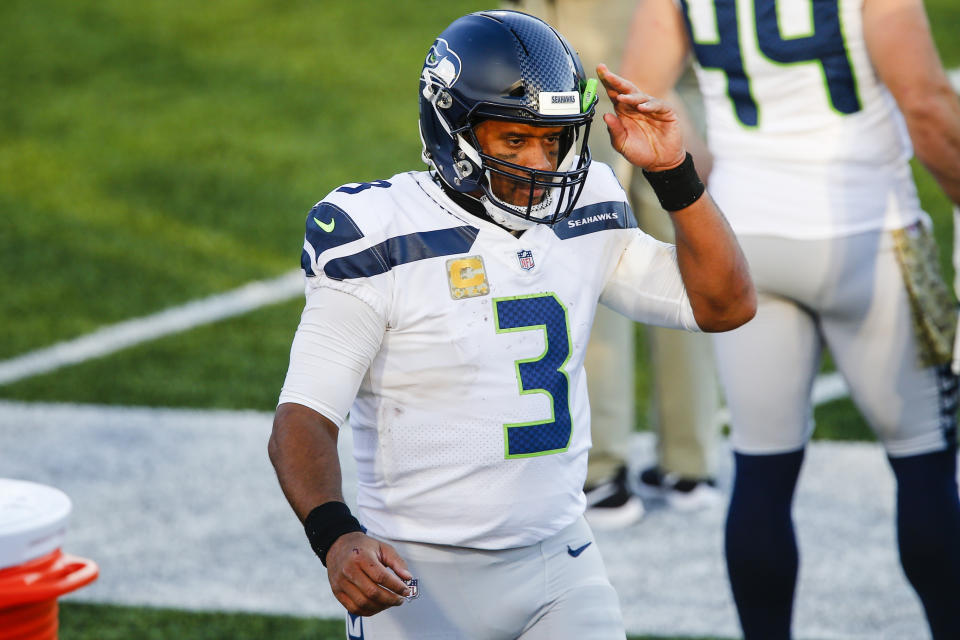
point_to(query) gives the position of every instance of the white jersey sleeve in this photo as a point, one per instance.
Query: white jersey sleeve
(339, 335)
(348, 291)
(646, 285)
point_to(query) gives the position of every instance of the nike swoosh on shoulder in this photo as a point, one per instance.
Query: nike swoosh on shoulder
(576, 552)
(326, 226)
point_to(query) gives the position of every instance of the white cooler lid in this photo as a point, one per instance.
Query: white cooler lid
(33, 521)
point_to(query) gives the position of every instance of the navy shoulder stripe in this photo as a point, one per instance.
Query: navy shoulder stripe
(614, 214)
(328, 226)
(399, 250)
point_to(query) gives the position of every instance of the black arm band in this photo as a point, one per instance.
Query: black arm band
(326, 523)
(676, 188)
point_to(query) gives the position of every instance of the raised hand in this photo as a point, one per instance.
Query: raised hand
(646, 131)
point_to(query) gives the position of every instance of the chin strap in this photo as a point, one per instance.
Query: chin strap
(504, 219)
(516, 222)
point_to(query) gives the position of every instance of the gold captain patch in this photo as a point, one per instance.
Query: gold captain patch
(467, 277)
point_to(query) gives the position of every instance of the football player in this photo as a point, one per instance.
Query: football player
(811, 111)
(448, 311)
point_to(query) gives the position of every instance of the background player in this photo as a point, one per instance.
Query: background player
(448, 311)
(811, 165)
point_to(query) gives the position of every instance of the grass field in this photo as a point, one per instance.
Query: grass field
(159, 151)
(100, 622)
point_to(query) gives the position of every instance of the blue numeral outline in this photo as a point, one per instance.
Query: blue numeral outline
(825, 42)
(363, 186)
(823, 45)
(544, 373)
(717, 55)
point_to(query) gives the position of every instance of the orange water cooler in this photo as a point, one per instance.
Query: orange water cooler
(34, 572)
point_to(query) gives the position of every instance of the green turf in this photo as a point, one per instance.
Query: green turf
(156, 151)
(944, 18)
(109, 622)
(235, 364)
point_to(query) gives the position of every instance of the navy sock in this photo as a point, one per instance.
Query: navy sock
(928, 531)
(761, 547)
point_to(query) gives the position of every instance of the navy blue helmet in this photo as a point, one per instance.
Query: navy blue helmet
(505, 65)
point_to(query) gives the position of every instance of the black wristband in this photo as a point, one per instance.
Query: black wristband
(326, 523)
(676, 188)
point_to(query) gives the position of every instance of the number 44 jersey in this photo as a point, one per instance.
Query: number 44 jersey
(471, 423)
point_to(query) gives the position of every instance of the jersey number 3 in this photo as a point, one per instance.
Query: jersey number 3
(543, 374)
(824, 45)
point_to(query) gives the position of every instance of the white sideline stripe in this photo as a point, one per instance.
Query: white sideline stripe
(115, 337)
(954, 76)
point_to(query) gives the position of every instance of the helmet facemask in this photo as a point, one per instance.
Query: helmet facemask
(561, 186)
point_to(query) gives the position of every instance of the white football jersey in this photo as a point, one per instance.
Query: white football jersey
(808, 142)
(471, 425)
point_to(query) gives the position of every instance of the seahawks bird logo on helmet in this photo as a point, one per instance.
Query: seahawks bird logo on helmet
(442, 64)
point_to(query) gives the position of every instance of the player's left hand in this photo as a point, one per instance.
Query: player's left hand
(646, 131)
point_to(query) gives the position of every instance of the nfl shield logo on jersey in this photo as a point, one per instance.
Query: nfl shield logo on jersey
(525, 256)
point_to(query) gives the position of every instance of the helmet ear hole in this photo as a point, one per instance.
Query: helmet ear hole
(444, 100)
(464, 168)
